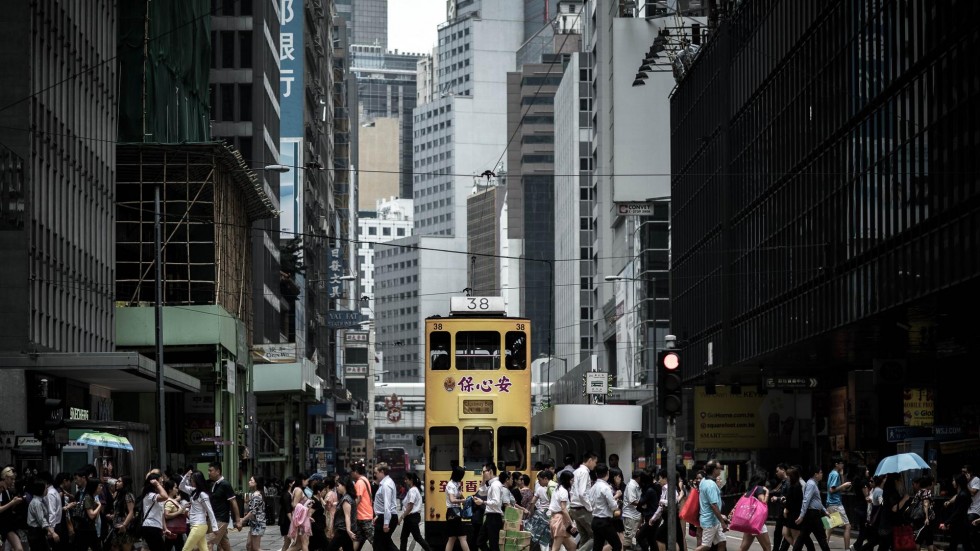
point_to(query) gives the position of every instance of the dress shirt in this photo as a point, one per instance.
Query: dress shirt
(52, 499)
(811, 498)
(37, 514)
(413, 497)
(603, 502)
(579, 494)
(452, 492)
(630, 497)
(386, 500)
(494, 499)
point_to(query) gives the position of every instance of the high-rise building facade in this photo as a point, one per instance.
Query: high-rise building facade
(367, 21)
(245, 113)
(386, 96)
(826, 208)
(58, 126)
(389, 220)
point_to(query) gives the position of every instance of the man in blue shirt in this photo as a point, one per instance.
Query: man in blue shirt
(811, 512)
(835, 485)
(713, 523)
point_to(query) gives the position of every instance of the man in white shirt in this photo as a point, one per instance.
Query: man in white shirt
(604, 505)
(579, 507)
(493, 516)
(385, 509)
(631, 515)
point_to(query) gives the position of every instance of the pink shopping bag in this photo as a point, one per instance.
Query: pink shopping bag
(749, 514)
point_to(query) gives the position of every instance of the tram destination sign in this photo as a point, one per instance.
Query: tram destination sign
(792, 382)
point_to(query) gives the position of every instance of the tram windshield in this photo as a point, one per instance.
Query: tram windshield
(477, 350)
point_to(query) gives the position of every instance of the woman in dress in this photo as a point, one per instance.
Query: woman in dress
(9, 502)
(255, 517)
(412, 513)
(661, 513)
(123, 505)
(341, 532)
(562, 527)
(201, 514)
(454, 501)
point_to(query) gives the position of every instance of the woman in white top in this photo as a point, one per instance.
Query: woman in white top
(562, 527)
(201, 515)
(412, 517)
(454, 501)
(153, 496)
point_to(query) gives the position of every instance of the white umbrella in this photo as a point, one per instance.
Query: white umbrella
(900, 463)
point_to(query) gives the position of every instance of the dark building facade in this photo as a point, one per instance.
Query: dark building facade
(826, 205)
(245, 113)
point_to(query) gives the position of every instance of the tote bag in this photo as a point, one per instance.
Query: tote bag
(691, 512)
(903, 538)
(749, 514)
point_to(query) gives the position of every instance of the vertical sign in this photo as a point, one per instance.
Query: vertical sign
(919, 407)
(291, 67)
(336, 268)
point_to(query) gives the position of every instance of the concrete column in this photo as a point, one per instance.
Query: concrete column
(287, 420)
(620, 443)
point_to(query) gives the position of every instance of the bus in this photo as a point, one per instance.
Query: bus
(398, 464)
(477, 399)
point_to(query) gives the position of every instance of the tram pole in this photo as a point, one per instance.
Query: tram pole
(672, 534)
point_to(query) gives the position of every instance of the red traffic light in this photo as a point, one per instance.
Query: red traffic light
(671, 361)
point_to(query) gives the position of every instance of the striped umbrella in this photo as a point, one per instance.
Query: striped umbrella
(105, 440)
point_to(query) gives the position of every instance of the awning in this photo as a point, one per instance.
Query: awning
(600, 418)
(292, 377)
(116, 371)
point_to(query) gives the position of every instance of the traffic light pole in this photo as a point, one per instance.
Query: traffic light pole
(672, 534)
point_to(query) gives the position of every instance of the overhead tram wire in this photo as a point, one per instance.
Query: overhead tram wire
(94, 66)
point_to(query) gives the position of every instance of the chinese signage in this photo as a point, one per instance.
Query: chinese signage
(791, 382)
(470, 385)
(477, 407)
(277, 353)
(291, 67)
(634, 209)
(336, 269)
(918, 407)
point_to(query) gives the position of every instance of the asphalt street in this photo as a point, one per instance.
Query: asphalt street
(272, 541)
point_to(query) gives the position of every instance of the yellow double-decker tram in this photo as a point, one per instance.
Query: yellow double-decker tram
(477, 399)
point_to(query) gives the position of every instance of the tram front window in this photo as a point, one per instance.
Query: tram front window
(443, 448)
(477, 350)
(439, 342)
(516, 345)
(512, 450)
(478, 447)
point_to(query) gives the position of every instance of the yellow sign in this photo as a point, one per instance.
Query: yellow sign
(477, 407)
(919, 408)
(728, 421)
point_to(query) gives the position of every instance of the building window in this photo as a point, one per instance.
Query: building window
(372, 231)
(245, 102)
(245, 48)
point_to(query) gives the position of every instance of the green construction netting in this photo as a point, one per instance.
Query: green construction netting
(177, 35)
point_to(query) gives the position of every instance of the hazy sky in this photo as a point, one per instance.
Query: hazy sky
(412, 24)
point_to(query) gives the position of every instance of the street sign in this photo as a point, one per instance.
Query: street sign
(946, 432)
(596, 383)
(902, 433)
(343, 319)
(635, 209)
(791, 382)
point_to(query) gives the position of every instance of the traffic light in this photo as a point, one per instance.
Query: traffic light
(669, 383)
(54, 413)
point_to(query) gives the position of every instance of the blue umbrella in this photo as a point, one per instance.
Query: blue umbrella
(900, 463)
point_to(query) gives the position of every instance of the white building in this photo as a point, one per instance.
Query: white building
(391, 219)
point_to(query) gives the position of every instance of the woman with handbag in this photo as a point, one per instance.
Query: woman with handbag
(923, 513)
(454, 512)
(151, 522)
(758, 492)
(562, 528)
(255, 517)
(175, 517)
